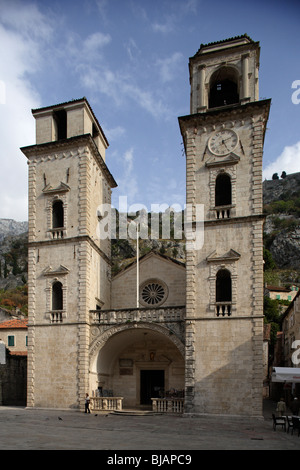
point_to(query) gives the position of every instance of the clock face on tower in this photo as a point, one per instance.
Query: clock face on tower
(223, 142)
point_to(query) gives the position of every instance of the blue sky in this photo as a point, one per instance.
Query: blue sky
(130, 59)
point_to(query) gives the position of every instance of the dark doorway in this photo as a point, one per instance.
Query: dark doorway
(152, 383)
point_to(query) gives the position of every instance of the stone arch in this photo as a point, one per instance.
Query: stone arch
(104, 336)
(122, 355)
(223, 87)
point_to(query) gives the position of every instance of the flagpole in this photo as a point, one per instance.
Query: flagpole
(137, 266)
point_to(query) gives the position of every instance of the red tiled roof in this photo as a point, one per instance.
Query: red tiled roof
(14, 324)
(278, 288)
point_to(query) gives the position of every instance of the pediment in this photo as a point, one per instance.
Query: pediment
(231, 159)
(230, 255)
(61, 188)
(55, 272)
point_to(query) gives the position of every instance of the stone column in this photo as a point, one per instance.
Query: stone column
(245, 76)
(201, 101)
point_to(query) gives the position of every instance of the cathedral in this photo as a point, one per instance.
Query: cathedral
(160, 328)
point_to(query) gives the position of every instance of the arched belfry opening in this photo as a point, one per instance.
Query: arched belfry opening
(223, 88)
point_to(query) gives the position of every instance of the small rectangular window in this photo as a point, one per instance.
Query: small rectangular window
(11, 341)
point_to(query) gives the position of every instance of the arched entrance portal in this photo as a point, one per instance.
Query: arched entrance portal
(137, 363)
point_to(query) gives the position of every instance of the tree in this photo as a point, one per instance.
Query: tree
(269, 263)
(272, 316)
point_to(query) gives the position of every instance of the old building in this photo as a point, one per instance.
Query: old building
(281, 292)
(13, 333)
(223, 137)
(291, 333)
(163, 326)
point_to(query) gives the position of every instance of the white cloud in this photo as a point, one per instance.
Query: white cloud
(164, 28)
(23, 32)
(94, 42)
(127, 182)
(288, 161)
(115, 133)
(168, 66)
(132, 49)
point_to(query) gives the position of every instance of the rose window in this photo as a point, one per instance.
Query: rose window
(153, 293)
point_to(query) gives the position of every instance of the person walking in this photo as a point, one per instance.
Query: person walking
(87, 403)
(295, 406)
(281, 407)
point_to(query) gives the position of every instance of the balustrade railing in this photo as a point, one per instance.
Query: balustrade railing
(57, 233)
(223, 309)
(56, 316)
(223, 212)
(158, 315)
(167, 405)
(106, 403)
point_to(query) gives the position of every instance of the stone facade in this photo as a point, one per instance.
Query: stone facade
(155, 268)
(199, 327)
(224, 337)
(69, 267)
(290, 333)
(16, 330)
(13, 378)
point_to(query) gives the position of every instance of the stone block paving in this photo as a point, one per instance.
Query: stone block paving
(37, 429)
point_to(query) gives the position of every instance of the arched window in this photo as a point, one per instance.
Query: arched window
(223, 89)
(57, 214)
(57, 296)
(223, 190)
(223, 292)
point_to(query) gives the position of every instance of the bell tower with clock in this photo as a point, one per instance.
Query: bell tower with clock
(223, 137)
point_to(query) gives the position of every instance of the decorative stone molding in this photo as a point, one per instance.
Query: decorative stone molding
(217, 262)
(153, 293)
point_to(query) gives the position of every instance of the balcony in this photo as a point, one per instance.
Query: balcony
(57, 233)
(223, 212)
(56, 316)
(223, 309)
(149, 315)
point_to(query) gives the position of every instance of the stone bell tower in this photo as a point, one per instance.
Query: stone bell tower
(68, 266)
(223, 137)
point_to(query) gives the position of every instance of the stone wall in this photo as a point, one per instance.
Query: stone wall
(153, 266)
(13, 380)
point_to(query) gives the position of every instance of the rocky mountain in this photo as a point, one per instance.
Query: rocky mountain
(282, 227)
(10, 227)
(13, 253)
(281, 239)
